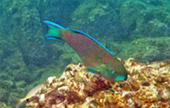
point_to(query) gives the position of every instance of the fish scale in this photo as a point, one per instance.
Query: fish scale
(94, 55)
(94, 51)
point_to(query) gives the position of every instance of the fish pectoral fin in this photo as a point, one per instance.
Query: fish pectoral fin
(92, 70)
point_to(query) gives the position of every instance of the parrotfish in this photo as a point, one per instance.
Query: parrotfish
(95, 56)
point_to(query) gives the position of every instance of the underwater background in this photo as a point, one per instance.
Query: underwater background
(131, 28)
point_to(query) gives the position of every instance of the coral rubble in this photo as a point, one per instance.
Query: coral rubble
(147, 86)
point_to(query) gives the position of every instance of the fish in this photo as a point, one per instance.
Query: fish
(95, 56)
(31, 93)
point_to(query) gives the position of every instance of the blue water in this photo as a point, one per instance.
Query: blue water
(132, 28)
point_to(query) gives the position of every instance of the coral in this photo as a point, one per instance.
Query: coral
(147, 86)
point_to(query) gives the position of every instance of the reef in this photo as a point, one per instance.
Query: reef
(147, 86)
(138, 29)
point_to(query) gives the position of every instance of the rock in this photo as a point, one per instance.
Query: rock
(147, 86)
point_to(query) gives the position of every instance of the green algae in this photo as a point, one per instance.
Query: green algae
(144, 49)
(145, 19)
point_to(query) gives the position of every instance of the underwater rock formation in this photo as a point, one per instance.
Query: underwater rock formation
(144, 49)
(148, 85)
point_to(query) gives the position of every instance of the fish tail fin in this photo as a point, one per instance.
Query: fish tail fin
(20, 103)
(53, 32)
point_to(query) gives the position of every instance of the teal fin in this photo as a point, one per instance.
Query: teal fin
(53, 32)
(92, 70)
